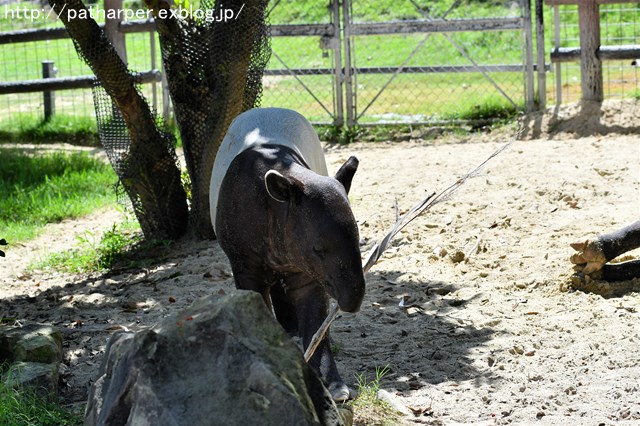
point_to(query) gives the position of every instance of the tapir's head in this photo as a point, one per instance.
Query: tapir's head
(321, 234)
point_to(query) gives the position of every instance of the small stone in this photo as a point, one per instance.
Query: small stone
(457, 256)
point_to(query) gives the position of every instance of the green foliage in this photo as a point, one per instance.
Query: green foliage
(22, 407)
(367, 390)
(492, 109)
(92, 256)
(37, 189)
(339, 134)
(368, 408)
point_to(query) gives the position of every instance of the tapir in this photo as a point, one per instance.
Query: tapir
(286, 227)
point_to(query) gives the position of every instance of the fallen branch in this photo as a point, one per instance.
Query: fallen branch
(377, 250)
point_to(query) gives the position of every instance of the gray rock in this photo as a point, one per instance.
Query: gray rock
(223, 361)
(35, 352)
(30, 343)
(41, 377)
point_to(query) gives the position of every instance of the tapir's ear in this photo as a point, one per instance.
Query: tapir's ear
(346, 172)
(278, 186)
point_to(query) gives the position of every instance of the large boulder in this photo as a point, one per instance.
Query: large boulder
(223, 361)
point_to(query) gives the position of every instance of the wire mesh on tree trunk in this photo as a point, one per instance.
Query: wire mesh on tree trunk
(147, 166)
(214, 70)
(128, 165)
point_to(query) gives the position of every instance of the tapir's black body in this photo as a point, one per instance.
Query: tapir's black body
(290, 235)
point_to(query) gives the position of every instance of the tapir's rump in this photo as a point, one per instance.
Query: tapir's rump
(276, 126)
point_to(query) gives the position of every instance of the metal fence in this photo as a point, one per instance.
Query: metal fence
(362, 62)
(405, 61)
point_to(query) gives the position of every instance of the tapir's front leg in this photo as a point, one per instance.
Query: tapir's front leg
(246, 279)
(312, 307)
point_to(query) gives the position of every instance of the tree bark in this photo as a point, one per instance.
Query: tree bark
(150, 170)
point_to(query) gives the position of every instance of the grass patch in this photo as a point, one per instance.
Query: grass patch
(28, 128)
(91, 255)
(23, 407)
(37, 189)
(368, 409)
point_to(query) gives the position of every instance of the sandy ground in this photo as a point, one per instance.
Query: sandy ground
(472, 308)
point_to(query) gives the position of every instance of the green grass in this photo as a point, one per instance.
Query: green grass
(40, 188)
(368, 409)
(27, 128)
(21, 407)
(91, 255)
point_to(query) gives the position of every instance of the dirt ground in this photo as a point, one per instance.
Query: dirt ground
(472, 308)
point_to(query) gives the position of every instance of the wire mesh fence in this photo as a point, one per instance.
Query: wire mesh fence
(430, 76)
(395, 75)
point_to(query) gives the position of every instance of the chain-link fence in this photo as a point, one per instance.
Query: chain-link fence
(425, 61)
(365, 62)
(619, 27)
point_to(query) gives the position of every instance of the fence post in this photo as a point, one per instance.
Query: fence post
(49, 71)
(542, 72)
(528, 36)
(338, 119)
(346, 20)
(590, 64)
(112, 27)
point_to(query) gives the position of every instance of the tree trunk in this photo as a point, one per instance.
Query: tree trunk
(150, 171)
(214, 71)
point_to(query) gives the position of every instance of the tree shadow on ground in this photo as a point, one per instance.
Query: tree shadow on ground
(88, 310)
(428, 340)
(590, 119)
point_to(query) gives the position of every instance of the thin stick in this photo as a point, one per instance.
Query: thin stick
(431, 200)
(377, 250)
(319, 335)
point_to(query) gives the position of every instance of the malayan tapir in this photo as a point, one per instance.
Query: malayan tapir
(286, 227)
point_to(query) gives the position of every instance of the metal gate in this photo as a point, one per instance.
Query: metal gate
(407, 61)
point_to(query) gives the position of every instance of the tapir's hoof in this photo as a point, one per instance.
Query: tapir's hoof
(590, 256)
(341, 392)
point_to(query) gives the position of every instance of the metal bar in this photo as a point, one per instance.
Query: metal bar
(436, 26)
(348, 83)
(556, 44)
(338, 117)
(426, 69)
(540, 62)
(66, 83)
(528, 46)
(607, 53)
